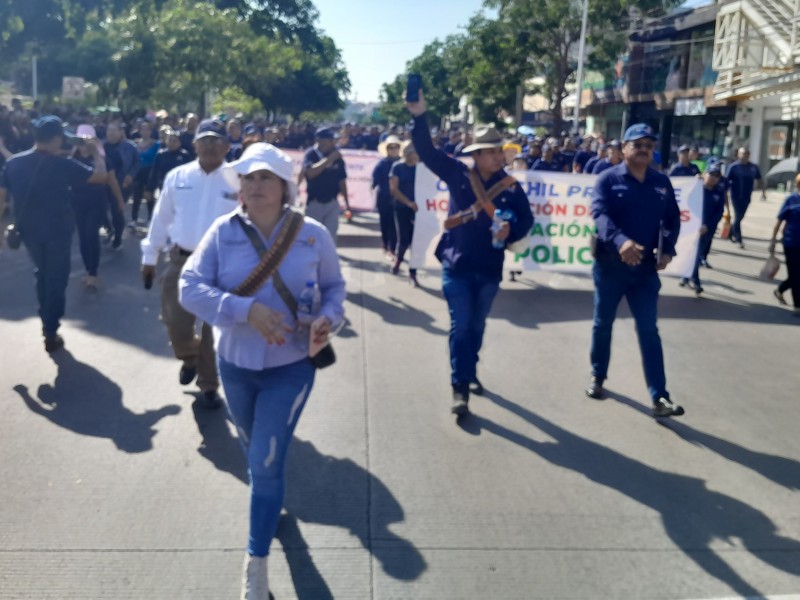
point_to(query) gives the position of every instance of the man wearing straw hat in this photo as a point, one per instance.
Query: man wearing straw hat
(390, 150)
(470, 252)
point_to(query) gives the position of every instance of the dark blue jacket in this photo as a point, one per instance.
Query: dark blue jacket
(790, 212)
(468, 248)
(601, 165)
(626, 209)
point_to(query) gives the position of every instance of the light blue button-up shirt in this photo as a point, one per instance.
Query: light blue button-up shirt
(224, 259)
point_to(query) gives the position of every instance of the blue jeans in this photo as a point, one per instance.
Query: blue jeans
(469, 298)
(265, 407)
(640, 285)
(52, 260)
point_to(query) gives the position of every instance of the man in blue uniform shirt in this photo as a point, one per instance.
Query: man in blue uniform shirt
(547, 162)
(714, 203)
(583, 155)
(472, 265)
(39, 181)
(612, 158)
(741, 176)
(590, 164)
(638, 222)
(324, 170)
(684, 168)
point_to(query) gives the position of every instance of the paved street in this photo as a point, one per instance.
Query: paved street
(117, 485)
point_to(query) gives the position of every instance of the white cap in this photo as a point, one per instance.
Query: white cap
(262, 156)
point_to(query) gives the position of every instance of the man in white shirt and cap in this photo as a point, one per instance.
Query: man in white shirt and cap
(193, 196)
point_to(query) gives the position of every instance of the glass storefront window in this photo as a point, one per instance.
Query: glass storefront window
(776, 142)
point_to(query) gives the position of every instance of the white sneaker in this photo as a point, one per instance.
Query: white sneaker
(255, 585)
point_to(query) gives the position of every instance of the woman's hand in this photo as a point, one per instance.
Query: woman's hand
(504, 231)
(320, 330)
(269, 323)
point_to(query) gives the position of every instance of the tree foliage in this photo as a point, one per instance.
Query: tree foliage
(526, 41)
(171, 52)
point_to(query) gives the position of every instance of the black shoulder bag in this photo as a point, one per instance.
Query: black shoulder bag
(326, 356)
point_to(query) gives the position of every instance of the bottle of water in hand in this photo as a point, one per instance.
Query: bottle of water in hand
(308, 305)
(497, 224)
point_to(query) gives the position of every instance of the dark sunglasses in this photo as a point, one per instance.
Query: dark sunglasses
(643, 145)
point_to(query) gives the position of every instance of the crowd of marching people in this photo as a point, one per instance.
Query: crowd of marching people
(220, 202)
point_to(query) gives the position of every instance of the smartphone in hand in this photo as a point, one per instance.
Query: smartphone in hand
(413, 86)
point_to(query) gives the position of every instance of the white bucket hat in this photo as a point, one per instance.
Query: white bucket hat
(87, 132)
(262, 156)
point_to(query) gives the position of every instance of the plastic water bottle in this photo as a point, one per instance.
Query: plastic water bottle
(308, 304)
(497, 224)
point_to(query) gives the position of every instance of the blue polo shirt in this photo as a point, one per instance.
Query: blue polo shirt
(626, 209)
(542, 165)
(589, 166)
(40, 184)
(565, 160)
(582, 157)
(741, 179)
(790, 212)
(406, 176)
(468, 247)
(713, 205)
(678, 170)
(601, 165)
(380, 177)
(325, 186)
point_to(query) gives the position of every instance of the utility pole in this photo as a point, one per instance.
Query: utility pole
(35, 79)
(581, 52)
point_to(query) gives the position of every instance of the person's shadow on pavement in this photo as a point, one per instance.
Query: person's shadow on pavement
(85, 401)
(783, 471)
(319, 489)
(693, 515)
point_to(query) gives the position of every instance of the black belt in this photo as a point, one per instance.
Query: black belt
(183, 252)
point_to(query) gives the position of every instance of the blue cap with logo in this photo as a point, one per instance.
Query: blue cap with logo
(326, 133)
(211, 128)
(714, 167)
(50, 126)
(639, 131)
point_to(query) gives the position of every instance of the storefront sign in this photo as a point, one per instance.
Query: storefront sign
(690, 107)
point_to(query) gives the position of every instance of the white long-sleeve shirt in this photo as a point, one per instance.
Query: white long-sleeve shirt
(191, 200)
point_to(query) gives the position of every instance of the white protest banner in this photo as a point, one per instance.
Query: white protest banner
(563, 225)
(359, 165)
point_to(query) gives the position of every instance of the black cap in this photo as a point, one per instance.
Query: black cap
(211, 127)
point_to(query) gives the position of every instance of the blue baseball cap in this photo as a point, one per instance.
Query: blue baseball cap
(211, 127)
(49, 127)
(250, 129)
(326, 133)
(714, 166)
(639, 131)
(684, 148)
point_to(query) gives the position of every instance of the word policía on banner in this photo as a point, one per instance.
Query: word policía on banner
(561, 235)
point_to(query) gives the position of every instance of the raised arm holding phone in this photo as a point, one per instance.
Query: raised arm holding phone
(472, 267)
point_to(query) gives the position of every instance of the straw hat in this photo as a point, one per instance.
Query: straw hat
(485, 137)
(389, 141)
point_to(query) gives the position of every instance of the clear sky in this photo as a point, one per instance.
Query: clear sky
(378, 37)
